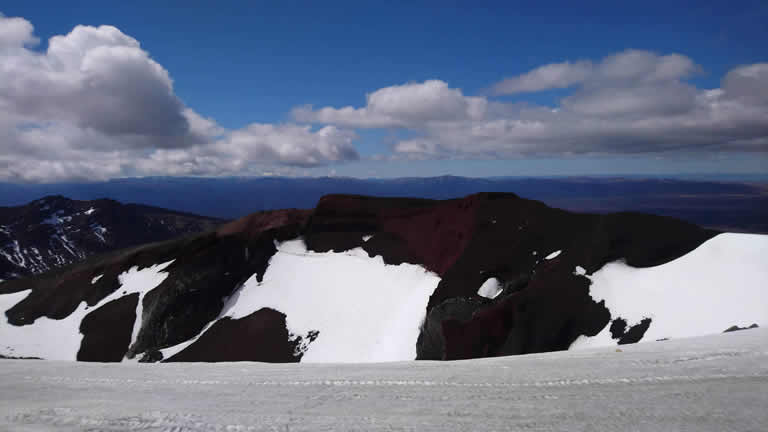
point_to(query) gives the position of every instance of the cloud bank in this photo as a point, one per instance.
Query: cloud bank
(631, 102)
(94, 105)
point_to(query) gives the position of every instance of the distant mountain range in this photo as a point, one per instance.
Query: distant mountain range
(55, 231)
(723, 205)
(368, 279)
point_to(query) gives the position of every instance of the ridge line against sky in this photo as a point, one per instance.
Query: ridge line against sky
(92, 102)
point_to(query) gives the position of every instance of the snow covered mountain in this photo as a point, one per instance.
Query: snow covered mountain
(360, 279)
(55, 231)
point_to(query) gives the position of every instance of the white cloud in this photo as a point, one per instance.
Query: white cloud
(404, 105)
(551, 76)
(748, 83)
(95, 105)
(627, 66)
(15, 33)
(630, 102)
(95, 78)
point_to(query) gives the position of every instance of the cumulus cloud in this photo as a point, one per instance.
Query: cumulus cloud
(95, 105)
(16, 32)
(630, 102)
(551, 76)
(630, 66)
(95, 78)
(405, 105)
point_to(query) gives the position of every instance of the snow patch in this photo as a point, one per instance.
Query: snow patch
(99, 231)
(141, 281)
(602, 339)
(367, 237)
(579, 271)
(553, 255)
(96, 279)
(15, 256)
(55, 219)
(491, 288)
(90, 211)
(60, 339)
(363, 309)
(719, 284)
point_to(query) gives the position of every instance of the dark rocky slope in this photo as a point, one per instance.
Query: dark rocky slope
(544, 306)
(55, 231)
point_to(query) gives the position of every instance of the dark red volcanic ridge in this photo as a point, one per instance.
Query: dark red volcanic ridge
(257, 223)
(431, 233)
(544, 304)
(436, 236)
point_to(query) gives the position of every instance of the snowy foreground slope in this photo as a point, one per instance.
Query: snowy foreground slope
(712, 383)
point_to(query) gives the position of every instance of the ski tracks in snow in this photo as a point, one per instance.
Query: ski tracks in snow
(705, 384)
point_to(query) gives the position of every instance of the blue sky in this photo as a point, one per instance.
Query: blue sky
(244, 63)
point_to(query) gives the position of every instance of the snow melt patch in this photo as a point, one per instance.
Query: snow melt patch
(553, 255)
(60, 339)
(490, 288)
(721, 283)
(364, 310)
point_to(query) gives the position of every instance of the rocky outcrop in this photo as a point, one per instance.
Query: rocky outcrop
(107, 330)
(245, 339)
(737, 328)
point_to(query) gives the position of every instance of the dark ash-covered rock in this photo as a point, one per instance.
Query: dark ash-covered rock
(629, 335)
(107, 330)
(260, 336)
(737, 328)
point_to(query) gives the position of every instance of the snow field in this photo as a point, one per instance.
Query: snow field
(60, 339)
(721, 283)
(365, 310)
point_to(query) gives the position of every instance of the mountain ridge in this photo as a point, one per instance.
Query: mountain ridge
(725, 205)
(363, 278)
(56, 231)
